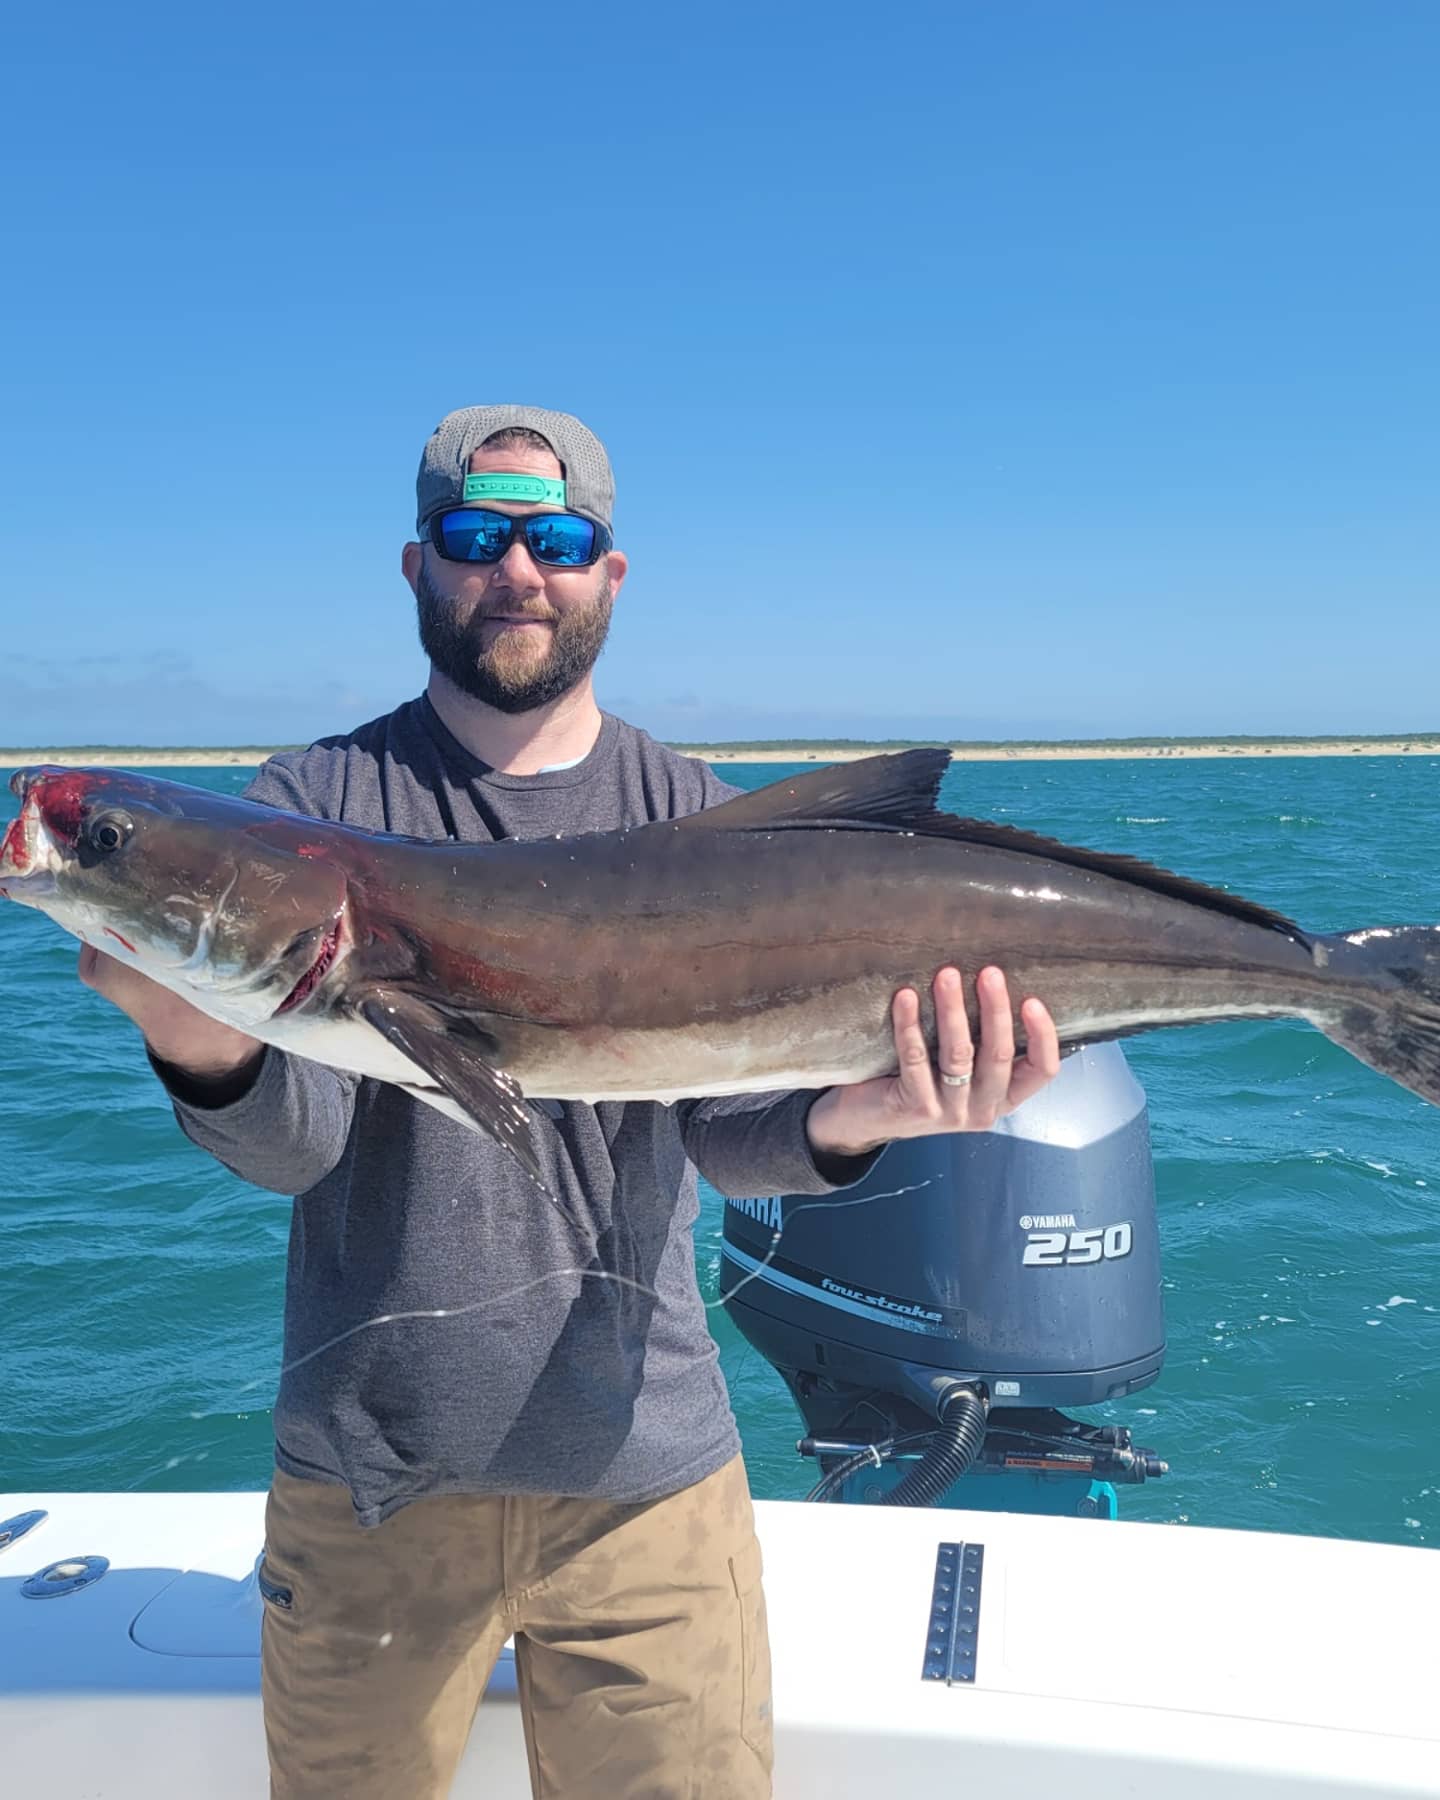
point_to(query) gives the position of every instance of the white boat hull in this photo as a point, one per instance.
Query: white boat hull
(1112, 1658)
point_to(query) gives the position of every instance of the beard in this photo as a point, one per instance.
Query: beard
(511, 681)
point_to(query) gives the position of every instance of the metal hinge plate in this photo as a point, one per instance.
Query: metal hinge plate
(952, 1635)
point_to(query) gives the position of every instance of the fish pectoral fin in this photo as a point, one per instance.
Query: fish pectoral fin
(455, 1058)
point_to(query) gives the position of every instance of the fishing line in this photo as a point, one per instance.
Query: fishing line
(806, 1206)
(435, 1312)
(455, 1312)
(640, 1287)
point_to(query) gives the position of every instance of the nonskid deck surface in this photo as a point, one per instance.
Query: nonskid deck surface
(1109, 1657)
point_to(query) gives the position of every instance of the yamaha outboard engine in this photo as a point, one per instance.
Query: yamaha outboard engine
(930, 1321)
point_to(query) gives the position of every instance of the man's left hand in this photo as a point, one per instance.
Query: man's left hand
(919, 1101)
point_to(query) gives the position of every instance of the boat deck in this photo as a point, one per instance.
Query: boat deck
(1108, 1658)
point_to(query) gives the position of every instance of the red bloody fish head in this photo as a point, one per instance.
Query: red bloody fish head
(51, 800)
(201, 891)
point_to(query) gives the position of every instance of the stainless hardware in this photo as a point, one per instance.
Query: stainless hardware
(65, 1577)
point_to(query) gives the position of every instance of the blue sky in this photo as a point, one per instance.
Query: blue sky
(1043, 368)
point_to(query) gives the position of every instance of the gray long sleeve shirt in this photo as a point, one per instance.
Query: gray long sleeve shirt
(546, 1374)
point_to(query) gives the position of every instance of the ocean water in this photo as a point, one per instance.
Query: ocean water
(1299, 1197)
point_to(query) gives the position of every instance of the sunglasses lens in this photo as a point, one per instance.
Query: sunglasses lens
(560, 539)
(472, 535)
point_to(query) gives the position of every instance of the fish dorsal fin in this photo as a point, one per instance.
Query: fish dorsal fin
(898, 792)
(891, 790)
(1105, 862)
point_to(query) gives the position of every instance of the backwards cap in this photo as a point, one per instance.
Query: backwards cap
(444, 480)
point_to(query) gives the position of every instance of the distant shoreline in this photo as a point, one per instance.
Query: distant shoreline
(1087, 752)
(250, 755)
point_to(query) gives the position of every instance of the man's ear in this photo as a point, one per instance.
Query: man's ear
(618, 567)
(412, 561)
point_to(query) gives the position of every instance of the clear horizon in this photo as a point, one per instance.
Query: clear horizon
(835, 741)
(1031, 373)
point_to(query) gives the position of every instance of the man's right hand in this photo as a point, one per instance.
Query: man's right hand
(176, 1032)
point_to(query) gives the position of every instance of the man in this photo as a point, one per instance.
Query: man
(555, 1457)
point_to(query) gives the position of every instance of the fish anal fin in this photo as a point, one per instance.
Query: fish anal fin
(457, 1058)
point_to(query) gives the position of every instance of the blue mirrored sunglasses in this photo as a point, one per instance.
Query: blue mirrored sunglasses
(474, 534)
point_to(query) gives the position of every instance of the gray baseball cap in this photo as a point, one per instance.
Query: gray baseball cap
(588, 487)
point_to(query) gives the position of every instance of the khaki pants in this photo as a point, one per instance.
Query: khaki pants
(640, 1644)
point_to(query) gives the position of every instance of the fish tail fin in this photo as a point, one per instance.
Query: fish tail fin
(1389, 1015)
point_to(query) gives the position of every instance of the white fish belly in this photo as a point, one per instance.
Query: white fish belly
(348, 1044)
(818, 1042)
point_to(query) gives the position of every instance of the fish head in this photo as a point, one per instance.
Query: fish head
(217, 898)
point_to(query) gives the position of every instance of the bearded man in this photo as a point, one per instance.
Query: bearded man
(555, 1459)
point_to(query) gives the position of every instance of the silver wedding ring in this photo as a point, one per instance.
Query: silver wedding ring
(955, 1080)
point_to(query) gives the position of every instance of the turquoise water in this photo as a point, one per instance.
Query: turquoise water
(1299, 1197)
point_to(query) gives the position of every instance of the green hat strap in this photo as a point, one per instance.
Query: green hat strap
(534, 490)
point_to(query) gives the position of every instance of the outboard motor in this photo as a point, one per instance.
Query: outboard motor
(931, 1320)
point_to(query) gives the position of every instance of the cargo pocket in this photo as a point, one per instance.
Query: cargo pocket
(756, 1724)
(274, 1593)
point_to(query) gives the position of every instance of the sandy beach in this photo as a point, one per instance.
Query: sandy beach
(1094, 752)
(131, 757)
(248, 756)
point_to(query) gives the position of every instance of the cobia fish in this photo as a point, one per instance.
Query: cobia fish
(754, 946)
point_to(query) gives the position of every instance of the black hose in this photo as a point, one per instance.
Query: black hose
(871, 1456)
(952, 1450)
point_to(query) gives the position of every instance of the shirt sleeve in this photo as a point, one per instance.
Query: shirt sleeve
(751, 1145)
(286, 1131)
(285, 1127)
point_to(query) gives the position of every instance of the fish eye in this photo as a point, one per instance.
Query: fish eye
(108, 831)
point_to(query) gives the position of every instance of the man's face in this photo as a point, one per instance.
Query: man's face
(515, 634)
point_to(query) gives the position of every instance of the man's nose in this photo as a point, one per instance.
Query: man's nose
(517, 568)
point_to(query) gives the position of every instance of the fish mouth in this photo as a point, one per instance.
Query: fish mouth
(330, 948)
(17, 847)
(13, 853)
(24, 866)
